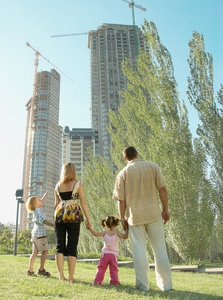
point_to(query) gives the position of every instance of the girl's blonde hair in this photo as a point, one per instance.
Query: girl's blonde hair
(110, 221)
(30, 203)
(68, 173)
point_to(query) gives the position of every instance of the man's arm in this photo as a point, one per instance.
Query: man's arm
(164, 200)
(121, 209)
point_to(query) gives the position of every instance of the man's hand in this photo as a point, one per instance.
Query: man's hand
(164, 200)
(165, 215)
(125, 225)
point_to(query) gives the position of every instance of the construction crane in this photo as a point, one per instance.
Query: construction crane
(29, 136)
(37, 53)
(132, 5)
(69, 34)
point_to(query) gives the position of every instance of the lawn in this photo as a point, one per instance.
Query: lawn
(15, 284)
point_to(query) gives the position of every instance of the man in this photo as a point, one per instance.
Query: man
(136, 189)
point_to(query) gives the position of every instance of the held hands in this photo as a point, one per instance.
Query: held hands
(88, 225)
(165, 216)
(125, 225)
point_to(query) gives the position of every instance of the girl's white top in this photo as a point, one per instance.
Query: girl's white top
(110, 244)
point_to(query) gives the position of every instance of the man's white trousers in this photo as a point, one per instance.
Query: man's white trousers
(156, 237)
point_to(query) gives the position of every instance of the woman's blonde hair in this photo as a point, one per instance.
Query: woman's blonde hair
(68, 173)
(30, 203)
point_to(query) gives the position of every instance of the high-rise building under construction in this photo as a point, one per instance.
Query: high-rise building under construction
(109, 45)
(42, 145)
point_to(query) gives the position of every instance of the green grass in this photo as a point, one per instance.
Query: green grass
(216, 264)
(15, 284)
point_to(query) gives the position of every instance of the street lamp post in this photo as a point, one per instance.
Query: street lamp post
(18, 194)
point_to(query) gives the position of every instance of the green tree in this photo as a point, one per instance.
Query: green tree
(7, 239)
(50, 234)
(24, 237)
(219, 236)
(152, 118)
(209, 108)
(98, 188)
(1, 229)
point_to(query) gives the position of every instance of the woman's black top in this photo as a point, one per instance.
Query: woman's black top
(66, 195)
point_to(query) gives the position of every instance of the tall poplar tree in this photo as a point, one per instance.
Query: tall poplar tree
(152, 118)
(209, 108)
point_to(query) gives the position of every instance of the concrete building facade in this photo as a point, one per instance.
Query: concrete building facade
(41, 168)
(109, 45)
(11, 227)
(75, 146)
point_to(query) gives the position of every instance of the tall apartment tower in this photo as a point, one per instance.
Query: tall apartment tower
(41, 167)
(109, 45)
(75, 146)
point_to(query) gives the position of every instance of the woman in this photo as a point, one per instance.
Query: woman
(67, 217)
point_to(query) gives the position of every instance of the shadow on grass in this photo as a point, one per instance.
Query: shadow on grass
(132, 291)
(41, 276)
(173, 294)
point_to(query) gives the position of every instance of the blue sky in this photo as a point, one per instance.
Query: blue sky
(35, 21)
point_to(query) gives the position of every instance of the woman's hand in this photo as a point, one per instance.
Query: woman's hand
(88, 224)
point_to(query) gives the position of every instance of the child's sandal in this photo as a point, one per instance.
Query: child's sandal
(30, 273)
(43, 272)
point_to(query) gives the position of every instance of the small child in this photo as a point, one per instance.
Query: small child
(39, 242)
(109, 254)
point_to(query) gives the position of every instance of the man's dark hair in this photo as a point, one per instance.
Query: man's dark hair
(129, 153)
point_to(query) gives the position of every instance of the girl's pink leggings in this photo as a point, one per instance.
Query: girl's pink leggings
(106, 260)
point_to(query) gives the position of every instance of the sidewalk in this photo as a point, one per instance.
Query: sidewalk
(189, 268)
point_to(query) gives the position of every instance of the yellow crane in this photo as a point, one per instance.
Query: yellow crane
(37, 53)
(29, 136)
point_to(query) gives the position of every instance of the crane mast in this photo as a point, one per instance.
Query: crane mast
(30, 130)
(29, 136)
(132, 5)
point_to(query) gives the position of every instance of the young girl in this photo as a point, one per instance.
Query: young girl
(109, 254)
